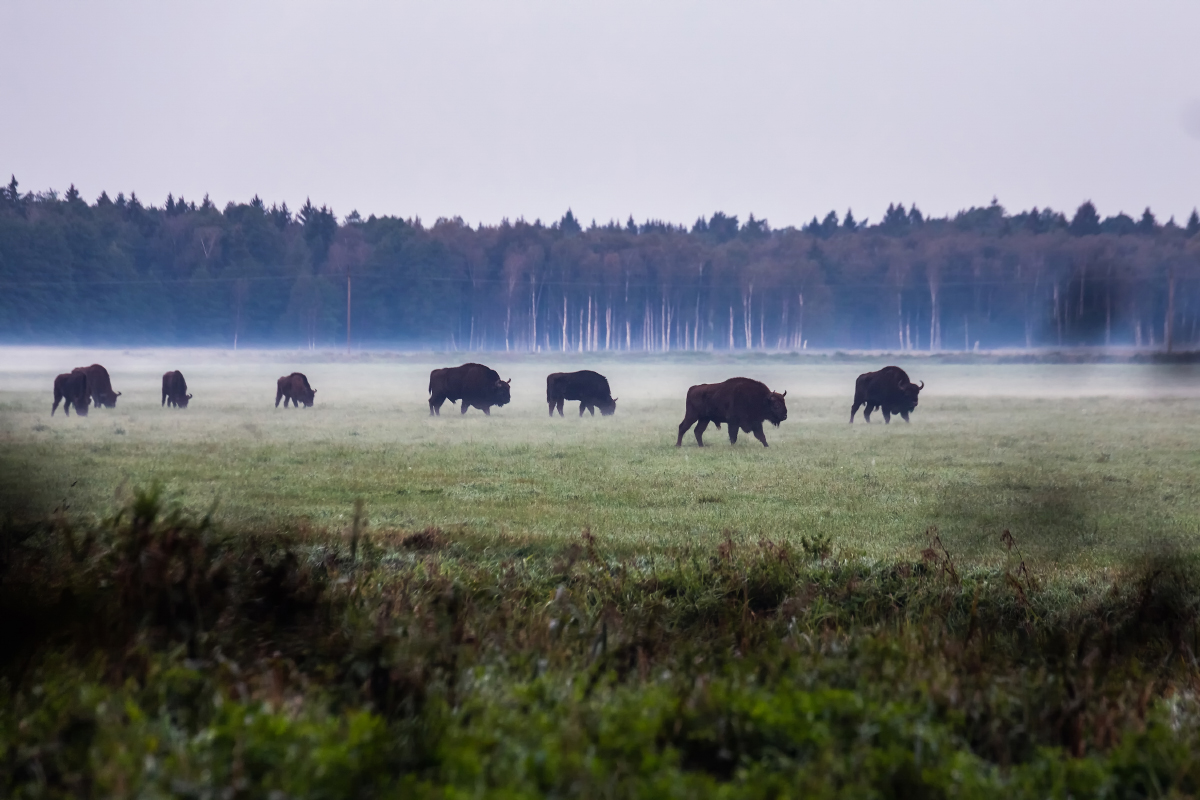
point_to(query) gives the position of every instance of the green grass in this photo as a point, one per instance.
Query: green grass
(1081, 481)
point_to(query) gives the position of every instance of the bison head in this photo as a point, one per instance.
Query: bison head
(777, 409)
(183, 401)
(609, 408)
(909, 395)
(501, 392)
(109, 399)
(306, 397)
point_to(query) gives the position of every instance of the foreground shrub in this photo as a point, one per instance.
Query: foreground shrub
(152, 653)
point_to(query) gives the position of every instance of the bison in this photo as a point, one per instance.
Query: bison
(589, 388)
(100, 386)
(739, 402)
(175, 390)
(71, 389)
(474, 384)
(295, 388)
(888, 389)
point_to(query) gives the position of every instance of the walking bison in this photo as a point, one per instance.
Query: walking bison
(174, 390)
(888, 389)
(474, 384)
(589, 388)
(71, 389)
(741, 403)
(295, 388)
(99, 386)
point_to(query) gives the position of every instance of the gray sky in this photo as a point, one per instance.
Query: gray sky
(661, 110)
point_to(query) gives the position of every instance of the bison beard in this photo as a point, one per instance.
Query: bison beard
(741, 403)
(71, 389)
(174, 390)
(888, 389)
(474, 384)
(589, 388)
(295, 388)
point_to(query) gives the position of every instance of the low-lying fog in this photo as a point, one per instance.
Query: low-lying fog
(247, 377)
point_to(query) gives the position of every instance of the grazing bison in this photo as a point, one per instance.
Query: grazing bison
(474, 384)
(175, 390)
(888, 389)
(589, 388)
(739, 402)
(100, 386)
(71, 389)
(295, 388)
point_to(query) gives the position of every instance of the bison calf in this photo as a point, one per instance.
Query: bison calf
(71, 389)
(888, 389)
(295, 388)
(589, 388)
(741, 403)
(174, 390)
(474, 384)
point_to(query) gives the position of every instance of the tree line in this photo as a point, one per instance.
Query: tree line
(118, 271)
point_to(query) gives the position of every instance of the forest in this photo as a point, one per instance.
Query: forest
(121, 272)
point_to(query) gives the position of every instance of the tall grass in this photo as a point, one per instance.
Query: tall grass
(158, 651)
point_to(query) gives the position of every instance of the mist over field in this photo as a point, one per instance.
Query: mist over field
(987, 440)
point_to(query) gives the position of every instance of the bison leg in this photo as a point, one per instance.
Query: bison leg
(733, 432)
(904, 414)
(559, 405)
(551, 404)
(57, 400)
(688, 422)
(757, 430)
(435, 405)
(887, 417)
(700, 428)
(867, 413)
(463, 406)
(487, 410)
(854, 410)
(278, 396)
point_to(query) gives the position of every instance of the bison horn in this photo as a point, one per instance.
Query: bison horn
(784, 393)
(509, 381)
(922, 386)
(118, 394)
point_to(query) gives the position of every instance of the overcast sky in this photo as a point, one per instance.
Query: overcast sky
(661, 110)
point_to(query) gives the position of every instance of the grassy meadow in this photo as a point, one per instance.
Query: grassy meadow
(1085, 464)
(543, 607)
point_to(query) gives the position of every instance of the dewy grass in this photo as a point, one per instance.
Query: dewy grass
(1085, 481)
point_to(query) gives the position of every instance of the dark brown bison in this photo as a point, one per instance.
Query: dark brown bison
(474, 384)
(888, 389)
(71, 389)
(100, 386)
(589, 388)
(175, 390)
(741, 403)
(295, 388)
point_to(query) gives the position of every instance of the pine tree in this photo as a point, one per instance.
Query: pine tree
(568, 224)
(1193, 224)
(1086, 221)
(848, 223)
(1148, 224)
